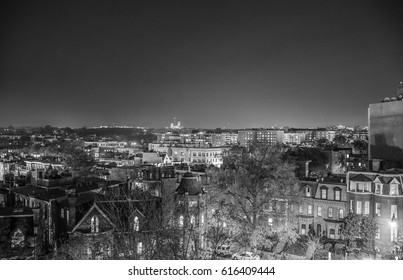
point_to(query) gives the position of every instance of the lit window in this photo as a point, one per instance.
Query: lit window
(139, 248)
(319, 211)
(337, 195)
(366, 207)
(393, 189)
(352, 186)
(323, 193)
(300, 210)
(192, 219)
(94, 224)
(330, 212)
(308, 192)
(136, 224)
(309, 209)
(341, 214)
(377, 209)
(270, 221)
(359, 207)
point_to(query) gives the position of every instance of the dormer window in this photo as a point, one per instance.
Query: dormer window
(378, 188)
(323, 192)
(136, 224)
(94, 224)
(352, 186)
(393, 189)
(337, 194)
(308, 192)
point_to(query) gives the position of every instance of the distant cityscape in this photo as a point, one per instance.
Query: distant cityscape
(130, 192)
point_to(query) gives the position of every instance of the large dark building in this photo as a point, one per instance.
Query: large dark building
(385, 121)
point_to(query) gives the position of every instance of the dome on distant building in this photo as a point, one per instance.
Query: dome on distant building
(386, 99)
(393, 99)
(400, 97)
(189, 184)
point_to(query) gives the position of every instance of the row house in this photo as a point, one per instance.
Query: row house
(378, 195)
(323, 207)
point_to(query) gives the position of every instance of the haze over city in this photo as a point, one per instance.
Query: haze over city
(233, 64)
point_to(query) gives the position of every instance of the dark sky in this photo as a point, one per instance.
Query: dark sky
(208, 63)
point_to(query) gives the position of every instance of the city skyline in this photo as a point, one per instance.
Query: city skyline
(213, 64)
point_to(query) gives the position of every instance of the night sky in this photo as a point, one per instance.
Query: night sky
(233, 64)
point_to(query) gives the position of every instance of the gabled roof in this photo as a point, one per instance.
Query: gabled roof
(360, 178)
(387, 180)
(94, 207)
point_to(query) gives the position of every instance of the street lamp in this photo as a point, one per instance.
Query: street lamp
(393, 225)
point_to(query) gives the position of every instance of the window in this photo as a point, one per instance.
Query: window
(393, 189)
(337, 194)
(359, 207)
(303, 229)
(393, 211)
(378, 233)
(136, 224)
(378, 188)
(366, 207)
(393, 233)
(341, 213)
(94, 224)
(351, 205)
(308, 192)
(202, 219)
(192, 219)
(377, 209)
(181, 221)
(270, 222)
(360, 186)
(330, 212)
(366, 187)
(323, 193)
(352, 186)
(309, 209)
(300, 210)
(139, 248)
(319, 211)
(332, 233)
(67, 217)
(62, 213)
